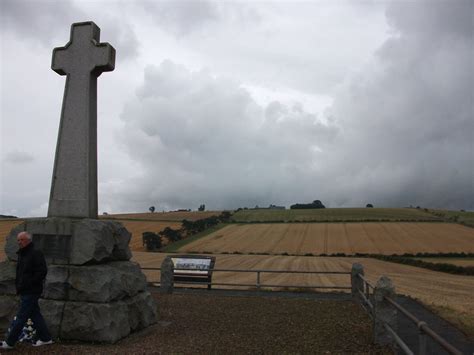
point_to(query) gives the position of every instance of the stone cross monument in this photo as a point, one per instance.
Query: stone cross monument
(74, 183)
(93, 292)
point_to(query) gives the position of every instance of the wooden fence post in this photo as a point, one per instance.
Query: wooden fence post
(356, 282)
(385, 313)
(167, 276)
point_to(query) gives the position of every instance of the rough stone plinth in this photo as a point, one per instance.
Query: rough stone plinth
(94, 283)
(90, 240)
(101, 322)
(101, 303)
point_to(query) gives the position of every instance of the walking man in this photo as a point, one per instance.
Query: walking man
(31, 271)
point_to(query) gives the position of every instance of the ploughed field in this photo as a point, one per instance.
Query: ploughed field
(450, 295)
(331, 238)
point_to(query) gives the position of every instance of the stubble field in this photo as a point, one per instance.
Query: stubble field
(330, 238)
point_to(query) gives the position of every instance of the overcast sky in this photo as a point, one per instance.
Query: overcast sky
(244, 103)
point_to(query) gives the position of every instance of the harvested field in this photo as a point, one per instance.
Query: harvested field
(163, 216)
(434, 289)
(330, 238)
(334, 214)
(205, 323)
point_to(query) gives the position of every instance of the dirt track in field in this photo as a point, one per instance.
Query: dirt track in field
(330, 238)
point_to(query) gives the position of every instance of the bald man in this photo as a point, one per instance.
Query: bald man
(31, 271)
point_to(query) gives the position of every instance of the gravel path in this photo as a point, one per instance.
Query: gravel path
(209, 323)
(408, 330)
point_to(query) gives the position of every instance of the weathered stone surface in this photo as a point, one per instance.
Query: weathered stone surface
(92, 241)
(142, 311)
(52, 312)
(102, 322)
(8, 308)
(94, 283)
(74, 184)
(7, 277)
(167, 276)
(56, 285)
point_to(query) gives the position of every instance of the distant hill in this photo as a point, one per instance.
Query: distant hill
(176, 216)
(7, 216)
(336, 215)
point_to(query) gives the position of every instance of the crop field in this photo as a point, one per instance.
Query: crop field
(334, 214)
(163, 216)
(434, 289)
(330, 238)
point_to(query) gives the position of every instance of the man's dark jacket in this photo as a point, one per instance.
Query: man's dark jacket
(31, 271)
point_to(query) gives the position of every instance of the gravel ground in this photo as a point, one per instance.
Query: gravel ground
(211, 324)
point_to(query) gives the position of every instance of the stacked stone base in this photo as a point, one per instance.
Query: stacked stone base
(101, 300)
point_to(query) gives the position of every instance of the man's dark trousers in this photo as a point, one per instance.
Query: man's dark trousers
(29, 308)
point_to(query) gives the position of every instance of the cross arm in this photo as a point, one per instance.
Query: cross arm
(105, 58)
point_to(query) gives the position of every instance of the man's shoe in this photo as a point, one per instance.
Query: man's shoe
(5, 345)
(41, 343)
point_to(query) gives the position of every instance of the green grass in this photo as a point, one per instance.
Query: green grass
(463, 217)
(175, 246)
(335, 215)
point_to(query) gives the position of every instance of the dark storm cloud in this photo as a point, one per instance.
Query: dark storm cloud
(408, 120)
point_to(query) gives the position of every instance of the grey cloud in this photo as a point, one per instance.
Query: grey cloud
(49, 21)
(201, 139)
(122, 37)
(441, 18)
(181, 17)
(38, 20)
(408, 120)
(18, 157)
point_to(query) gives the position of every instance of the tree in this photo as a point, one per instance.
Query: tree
(202, 207)
(369, 205)
(151, 241)
(314, 204)
(152, 209)
(173, 235)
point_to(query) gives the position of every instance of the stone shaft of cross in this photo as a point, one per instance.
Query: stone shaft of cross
(74, 182)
